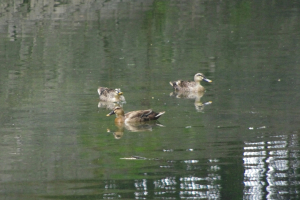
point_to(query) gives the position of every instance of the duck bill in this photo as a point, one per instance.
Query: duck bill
(207, 80)
(120, 93)
(111, 113)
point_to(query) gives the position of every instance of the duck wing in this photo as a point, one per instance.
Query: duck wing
(142, 115)
(185, 84)
(104, 91)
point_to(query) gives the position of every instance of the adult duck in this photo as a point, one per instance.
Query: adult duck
(192, 86)
(111, 95)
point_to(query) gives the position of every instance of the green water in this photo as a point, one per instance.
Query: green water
(56, 141)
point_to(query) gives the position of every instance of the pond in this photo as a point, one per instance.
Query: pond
(237, 140)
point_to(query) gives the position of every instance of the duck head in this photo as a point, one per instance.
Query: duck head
(199, 77)
(117, 110)
(118, 91)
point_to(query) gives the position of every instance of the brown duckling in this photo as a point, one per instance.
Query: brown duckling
(134, 116)
(112, 95)
(194, 86)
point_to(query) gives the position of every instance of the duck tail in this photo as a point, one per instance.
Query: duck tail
(101, 90)
(159, 114)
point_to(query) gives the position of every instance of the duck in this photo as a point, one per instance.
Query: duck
(193, 86)
(111, 95)
(134, 116)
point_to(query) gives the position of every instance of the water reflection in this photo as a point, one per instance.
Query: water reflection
(110, 105)
(187, 186)
(199, 106)
(133, 127)
(117, 134)
(272, 161)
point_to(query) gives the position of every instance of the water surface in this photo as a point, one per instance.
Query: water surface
(57, 143)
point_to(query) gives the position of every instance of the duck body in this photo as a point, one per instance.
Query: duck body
(134, 116)
(111, 95)
(192, 86)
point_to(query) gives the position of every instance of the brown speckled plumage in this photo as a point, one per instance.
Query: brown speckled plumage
(112, 95)
(135, 116)
(190, 85)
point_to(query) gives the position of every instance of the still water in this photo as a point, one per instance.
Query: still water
(238, 140)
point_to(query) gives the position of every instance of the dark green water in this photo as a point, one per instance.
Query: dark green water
(54, 139)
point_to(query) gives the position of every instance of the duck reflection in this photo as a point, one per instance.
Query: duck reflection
(110, 105)
(199, 106)
(133, 127)
(118, 133)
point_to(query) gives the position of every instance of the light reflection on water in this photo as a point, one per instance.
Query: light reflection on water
(273, 161)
